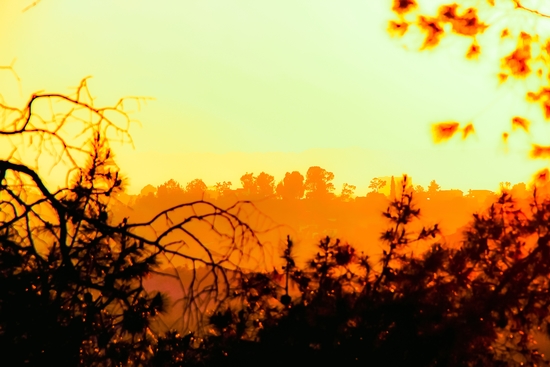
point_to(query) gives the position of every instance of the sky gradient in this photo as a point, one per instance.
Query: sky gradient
(274, 86)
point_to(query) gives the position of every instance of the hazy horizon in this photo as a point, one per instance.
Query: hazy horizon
(353, 165)
(287, 85)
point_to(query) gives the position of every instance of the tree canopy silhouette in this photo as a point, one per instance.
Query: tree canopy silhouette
(260, 186)
(347, 192)
(376, 184)
(433, 187)
(318, 183)
(292, 186)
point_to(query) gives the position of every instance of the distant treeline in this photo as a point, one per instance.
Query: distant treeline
(307, 207)
(316, 184)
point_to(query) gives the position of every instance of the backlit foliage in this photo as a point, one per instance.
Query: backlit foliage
(521, 22)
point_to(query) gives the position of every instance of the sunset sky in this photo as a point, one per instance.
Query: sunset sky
(274, 86)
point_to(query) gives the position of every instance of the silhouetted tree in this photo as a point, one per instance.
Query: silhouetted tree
(196, 189)
(71, 277)
(376, 184)
(419, 189)
(318, 182)
(149, 189)
(347, 192)
(292, 186)
(258, 187)
(265, 185)
(171, 190)
(433, 187)
(247, 182)
(223, 188)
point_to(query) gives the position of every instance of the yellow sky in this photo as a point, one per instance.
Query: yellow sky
(275, 86)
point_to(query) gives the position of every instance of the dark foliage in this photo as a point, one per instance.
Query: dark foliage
(476, 304)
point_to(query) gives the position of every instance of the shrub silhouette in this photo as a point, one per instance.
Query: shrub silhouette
(472, 304)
